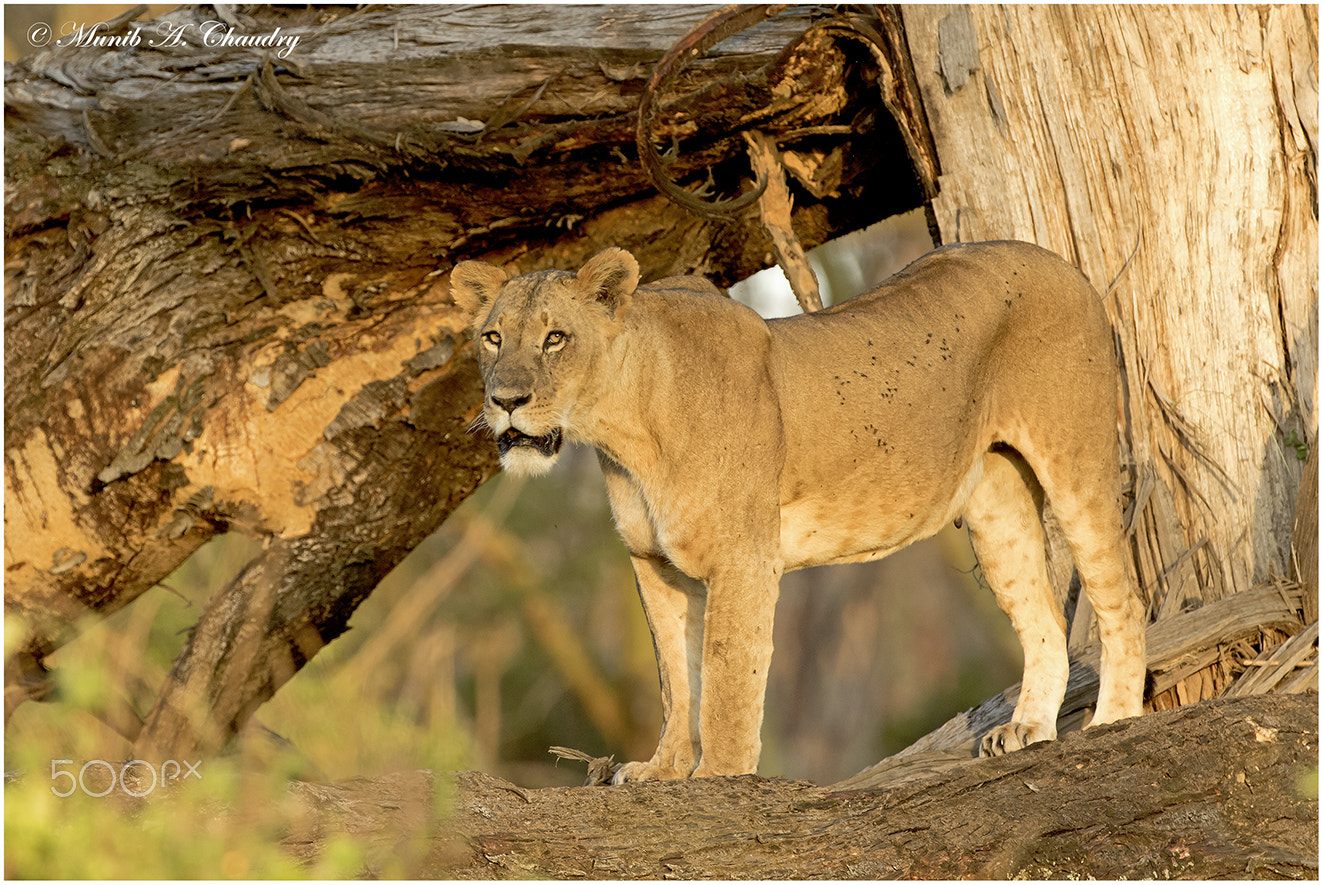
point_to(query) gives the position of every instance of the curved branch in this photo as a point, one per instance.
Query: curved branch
(728, 21)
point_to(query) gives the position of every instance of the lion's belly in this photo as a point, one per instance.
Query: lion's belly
(868, 521)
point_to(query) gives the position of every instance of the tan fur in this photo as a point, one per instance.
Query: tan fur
(975, 382)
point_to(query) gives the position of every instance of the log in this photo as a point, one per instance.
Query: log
(227, 285)
(1222, 789)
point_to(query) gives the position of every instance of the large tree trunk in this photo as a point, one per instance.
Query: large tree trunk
(226, 285)
(1171, 153)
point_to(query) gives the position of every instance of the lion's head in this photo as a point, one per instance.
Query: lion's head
(540, 336)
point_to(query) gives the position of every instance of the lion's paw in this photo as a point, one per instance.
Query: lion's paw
(634, 772)
(1014, 736)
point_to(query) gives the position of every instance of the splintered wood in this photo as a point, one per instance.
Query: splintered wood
(1287, 668)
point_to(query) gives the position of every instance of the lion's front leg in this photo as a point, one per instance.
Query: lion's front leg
(737, 652)
(673, 604)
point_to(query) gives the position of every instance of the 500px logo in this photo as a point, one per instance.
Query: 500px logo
(169, 770)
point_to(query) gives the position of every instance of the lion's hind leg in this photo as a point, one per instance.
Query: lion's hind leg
(1085, 500)
(1007, 534)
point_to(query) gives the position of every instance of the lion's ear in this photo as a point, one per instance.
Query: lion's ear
(610, 277)
(474, 285)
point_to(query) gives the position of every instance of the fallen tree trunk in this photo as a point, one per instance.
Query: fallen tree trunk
(1216, 790)
(227, 297)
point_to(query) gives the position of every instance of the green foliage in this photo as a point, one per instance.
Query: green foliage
(1293, 441)
(226, 823)
(227, 819)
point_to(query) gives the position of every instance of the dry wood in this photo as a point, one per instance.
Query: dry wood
(1304, 537)
(1288, 668)
(774, 208)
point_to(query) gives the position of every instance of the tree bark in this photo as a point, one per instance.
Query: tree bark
(1218, 790)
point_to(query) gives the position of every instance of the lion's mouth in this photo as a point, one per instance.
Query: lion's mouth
(547, 445)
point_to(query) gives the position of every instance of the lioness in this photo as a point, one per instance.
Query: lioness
(972, 383)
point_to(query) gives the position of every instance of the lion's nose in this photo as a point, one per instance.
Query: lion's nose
(510, 403)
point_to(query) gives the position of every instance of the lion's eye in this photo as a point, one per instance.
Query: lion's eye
(555, 340)
(492, 338)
